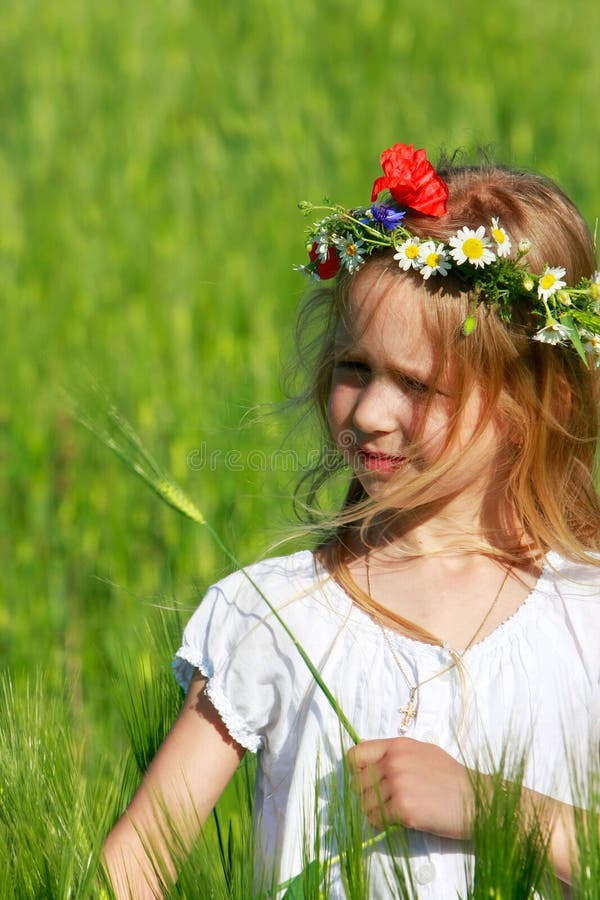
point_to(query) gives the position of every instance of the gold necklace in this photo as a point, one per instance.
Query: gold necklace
(409, 712)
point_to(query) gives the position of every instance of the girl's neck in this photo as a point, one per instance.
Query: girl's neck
(430, 533)
(428, 590)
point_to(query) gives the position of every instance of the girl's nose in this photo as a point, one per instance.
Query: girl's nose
(376, 408)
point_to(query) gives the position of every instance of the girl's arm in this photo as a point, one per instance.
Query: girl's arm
(176, 796)
(561, 819)
(401, 780)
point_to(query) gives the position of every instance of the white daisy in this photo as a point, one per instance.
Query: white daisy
(524, 245)
(472, 246)
(555, 333)
(408, 255)
(322, 242)
(550, 282)
(503, 243)
(434, 260)
(306, 270)
(591, 344)
(351, 252)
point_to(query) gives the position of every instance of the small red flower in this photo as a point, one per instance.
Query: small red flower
(411, 180)
(330, 267)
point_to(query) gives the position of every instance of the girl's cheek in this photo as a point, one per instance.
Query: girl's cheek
(341, 403)
(434, 433)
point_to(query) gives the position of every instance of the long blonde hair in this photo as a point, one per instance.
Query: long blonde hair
(546, 393)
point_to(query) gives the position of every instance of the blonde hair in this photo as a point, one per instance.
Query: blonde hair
(548, 398)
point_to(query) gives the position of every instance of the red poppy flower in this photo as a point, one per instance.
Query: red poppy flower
(330, 267)
(411, 180)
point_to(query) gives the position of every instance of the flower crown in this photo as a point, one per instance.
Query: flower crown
(479, 257)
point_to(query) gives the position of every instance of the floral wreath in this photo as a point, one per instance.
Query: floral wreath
(479, 257)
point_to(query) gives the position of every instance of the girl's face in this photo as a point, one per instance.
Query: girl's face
(392, 403)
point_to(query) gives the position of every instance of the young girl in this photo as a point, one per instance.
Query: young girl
(453, 610)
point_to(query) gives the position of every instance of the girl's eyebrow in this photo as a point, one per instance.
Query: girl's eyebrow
(424, 377)
(341, 346)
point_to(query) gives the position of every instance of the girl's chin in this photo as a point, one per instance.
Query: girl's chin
(377, 484)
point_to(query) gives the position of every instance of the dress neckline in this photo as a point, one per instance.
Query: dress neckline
(375, 630)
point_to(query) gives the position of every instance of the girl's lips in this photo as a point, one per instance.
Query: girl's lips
(379, 462)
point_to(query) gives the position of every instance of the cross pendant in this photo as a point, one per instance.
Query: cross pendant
(410, 711)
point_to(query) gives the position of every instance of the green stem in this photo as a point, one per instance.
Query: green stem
(365, 227)
(549, 316)
(376, 240)
(333, 860)
(171, 493)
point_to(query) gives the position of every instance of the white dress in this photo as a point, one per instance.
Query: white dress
(533, 682)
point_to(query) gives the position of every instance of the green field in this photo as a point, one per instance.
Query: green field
(151, 159)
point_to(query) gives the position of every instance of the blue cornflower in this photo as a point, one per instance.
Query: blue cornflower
(388, 217)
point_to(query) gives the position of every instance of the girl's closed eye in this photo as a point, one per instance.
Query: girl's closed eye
(354, 369)
(358, 370)
(413, 384)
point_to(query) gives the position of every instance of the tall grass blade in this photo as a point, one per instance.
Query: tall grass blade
(149, 700)
(510, 839)
(52, 818)
(119, 436)
(586, 868)
(115, 432)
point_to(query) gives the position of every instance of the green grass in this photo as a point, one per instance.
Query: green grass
(151, 158)
(55, 809)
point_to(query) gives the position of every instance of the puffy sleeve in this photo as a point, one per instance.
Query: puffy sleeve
(239, 646)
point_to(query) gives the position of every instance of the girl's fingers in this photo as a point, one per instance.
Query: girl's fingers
(414, 783)
(378, 819)
(367, 753)
(375, 799)
(365, 777)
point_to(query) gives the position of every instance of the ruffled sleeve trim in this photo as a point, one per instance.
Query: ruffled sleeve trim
(184, 664)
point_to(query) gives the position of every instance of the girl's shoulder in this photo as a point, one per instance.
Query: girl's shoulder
(245, 630)
(300, 563)
(573, 591)
(294, 570)
(574, 580)
(295, 583)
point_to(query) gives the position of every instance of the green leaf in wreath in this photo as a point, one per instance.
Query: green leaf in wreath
(568, 320)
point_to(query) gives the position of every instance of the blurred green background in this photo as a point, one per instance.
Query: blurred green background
(151, 158)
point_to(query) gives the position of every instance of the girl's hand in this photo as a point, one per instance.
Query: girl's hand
(416, 784)
(420, 786)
